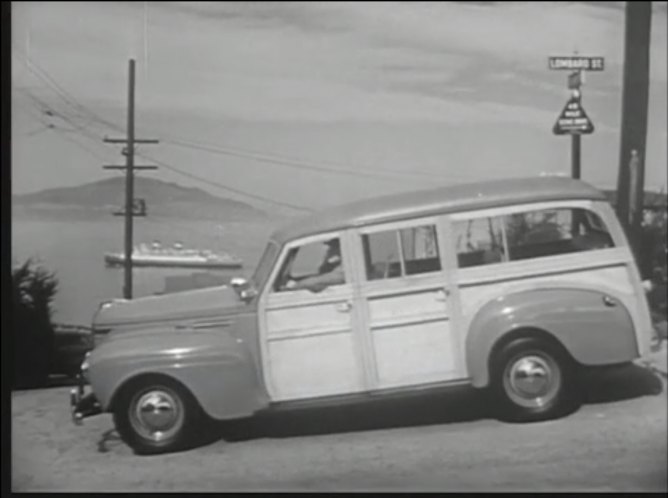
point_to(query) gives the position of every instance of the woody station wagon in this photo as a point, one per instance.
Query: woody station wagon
(510, 286)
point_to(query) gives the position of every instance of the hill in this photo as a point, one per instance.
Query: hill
(108, 196)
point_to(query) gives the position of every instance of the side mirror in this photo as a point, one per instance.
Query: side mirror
(245, 289)
(248, 294)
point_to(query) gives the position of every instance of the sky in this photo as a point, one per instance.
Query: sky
(306, 104)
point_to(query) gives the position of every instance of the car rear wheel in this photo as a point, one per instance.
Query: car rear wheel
(533, 380)
(156, 415)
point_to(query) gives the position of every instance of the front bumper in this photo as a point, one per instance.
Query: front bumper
(83, 405)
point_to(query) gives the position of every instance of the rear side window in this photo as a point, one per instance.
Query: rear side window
(550, 232)
(397, 253)
(527, 235)
(479, 241)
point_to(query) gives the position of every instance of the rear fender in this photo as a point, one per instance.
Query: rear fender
(594, 327)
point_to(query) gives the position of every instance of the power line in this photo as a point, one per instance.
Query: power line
(294, 162)
(47, 109)
(48, 81)
(246, 154)
(208, 181)
(45, 77)
(41, 129)
(167, 166)
(242, 153)
(71, 101)
(58, 129)
(78, 144)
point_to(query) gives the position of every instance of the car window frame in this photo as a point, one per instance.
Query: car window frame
(397, 226)
(288, 246)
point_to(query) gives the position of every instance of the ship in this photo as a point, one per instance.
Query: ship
(174, 257)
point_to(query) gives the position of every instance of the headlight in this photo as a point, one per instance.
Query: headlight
(84, 366)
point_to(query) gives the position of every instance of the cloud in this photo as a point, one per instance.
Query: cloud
(329, 60)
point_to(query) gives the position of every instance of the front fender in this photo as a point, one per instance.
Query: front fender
(593, 332)
(215, 366)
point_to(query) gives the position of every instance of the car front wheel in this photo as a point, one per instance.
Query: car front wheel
(156, 415)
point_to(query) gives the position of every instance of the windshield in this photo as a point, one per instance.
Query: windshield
(265, 264)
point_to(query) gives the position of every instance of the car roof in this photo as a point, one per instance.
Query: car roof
(441, 200)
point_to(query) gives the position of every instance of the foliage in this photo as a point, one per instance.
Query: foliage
(651, 252)
(33, 290)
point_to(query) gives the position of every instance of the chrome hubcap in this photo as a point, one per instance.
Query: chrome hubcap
(532, 380)
(156, 414)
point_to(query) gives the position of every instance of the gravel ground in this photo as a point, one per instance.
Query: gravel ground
(615, 442)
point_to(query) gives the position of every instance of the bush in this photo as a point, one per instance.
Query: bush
(33, 290)
(651, 253)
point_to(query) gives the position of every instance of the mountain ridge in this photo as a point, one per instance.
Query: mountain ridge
(161, 197)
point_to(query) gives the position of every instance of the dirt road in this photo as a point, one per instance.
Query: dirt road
(615, 442)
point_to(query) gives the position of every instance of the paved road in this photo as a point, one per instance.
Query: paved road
(615, 442)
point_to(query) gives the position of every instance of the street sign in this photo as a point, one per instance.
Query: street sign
(575, 62)
(573, 120)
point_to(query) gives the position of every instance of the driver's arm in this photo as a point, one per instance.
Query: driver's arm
(320, 282)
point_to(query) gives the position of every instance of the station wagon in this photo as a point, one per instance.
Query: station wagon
(510, 286)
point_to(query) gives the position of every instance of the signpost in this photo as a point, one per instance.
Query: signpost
(573, 119)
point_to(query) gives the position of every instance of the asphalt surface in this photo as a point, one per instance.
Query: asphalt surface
(615, 442)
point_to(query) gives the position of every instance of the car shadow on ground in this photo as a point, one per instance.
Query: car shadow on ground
(457, 405)
(621, 383)
(461, 404)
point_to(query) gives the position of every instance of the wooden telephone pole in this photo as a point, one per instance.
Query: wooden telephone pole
(635, 97)
(130, 202)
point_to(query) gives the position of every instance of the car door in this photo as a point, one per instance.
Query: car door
(309, 345)
(406, 304)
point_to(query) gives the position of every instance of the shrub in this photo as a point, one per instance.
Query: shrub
(33, 290)
(651, 252)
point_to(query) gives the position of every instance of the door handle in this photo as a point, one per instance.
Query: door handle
(442, 295)
(610, 302)
(344, 307)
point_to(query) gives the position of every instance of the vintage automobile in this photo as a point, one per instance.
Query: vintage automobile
(511, 286)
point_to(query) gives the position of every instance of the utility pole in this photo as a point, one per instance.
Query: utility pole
(130, 202)
(635, 97)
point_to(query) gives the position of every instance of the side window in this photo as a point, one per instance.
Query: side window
(397, 253)
(420, 249)
(549, 232)
(313, 266)
(479, 241)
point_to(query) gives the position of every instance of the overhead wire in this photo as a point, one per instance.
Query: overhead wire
(70, 100)
(208, 181)
(49, 110)
(237, 152)
(296, 163)
(242, 153)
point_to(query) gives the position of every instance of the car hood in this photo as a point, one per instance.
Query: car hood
(187, 308)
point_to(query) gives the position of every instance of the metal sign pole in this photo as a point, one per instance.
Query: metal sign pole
(575, 156)
(575, 137)
(573, 120)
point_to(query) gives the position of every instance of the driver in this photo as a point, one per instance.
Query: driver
(329, 273)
